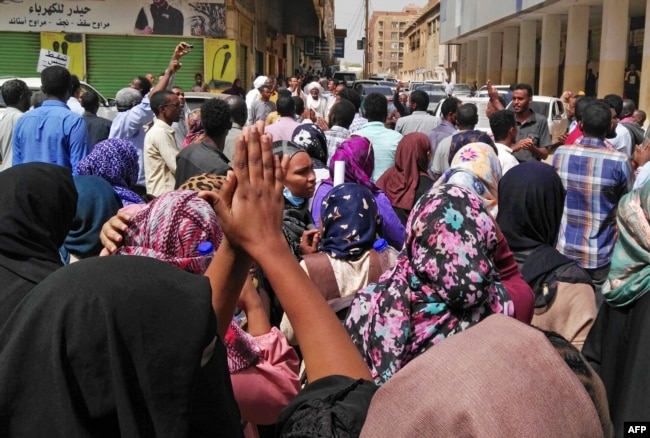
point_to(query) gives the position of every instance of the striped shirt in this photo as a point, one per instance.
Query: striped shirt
(595, 179)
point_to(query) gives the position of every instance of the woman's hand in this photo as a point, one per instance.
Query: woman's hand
(112, 233)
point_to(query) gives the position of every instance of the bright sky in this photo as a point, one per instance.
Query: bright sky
(349, 14)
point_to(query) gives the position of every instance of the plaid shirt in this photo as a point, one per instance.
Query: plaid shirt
(335, 136)
(595, 179)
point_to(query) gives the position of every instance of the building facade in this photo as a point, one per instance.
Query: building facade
(550, 44)
(109, 43)
(386, 40)
(424, 56)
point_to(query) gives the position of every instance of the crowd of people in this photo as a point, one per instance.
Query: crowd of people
(296, 261)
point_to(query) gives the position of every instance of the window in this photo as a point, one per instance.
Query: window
(393, 55)
(393, 25)
(394, 35)
(394, 46)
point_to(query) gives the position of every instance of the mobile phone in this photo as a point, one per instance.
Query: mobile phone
(189, 47)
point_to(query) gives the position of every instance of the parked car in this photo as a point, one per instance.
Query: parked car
(107, 108)
(194, 100)
(347, 77)
(435, 92)
(501, 89)
(462, 90)
(390, 84)
(378, 89)
(360, 84)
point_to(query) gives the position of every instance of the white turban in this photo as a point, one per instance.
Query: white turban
(259, 81)
(313, 85)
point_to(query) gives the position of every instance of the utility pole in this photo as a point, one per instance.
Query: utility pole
(366, 57)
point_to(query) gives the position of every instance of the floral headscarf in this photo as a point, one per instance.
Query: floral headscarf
(116, 161)
(476, 167)
(444, 281)
(350, 220)
(629, 276)
(359, 157)
(313, 140)
(195, 130)
(467, 137)
(170, 229)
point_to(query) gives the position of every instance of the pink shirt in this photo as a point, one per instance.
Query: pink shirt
(282, 129)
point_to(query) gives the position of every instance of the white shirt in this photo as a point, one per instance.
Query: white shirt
(507, 160)
(160, 152)
(75, 106)
(449, 88)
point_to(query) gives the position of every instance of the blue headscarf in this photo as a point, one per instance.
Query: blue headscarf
(350, 220)
(96, 204)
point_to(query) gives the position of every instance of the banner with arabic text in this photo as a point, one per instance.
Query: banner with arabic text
(153, 17)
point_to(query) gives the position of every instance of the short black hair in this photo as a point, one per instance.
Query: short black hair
(56, 81)
(159, 99)
(284, 92)
(37, 99)
(237, 109)
(581, 104)
(523, 86)
(215, 118)
(75, 84)
(597, 118)
(352, 96)
(615, 101)
(299, 103)
(449, 106)
(145, 85)
(342, 113)
(285, 106)
(467, 115)
(501, 122)
(13, 90)
(90, 101)
(628, 107)
(420, 99)
(376, 106)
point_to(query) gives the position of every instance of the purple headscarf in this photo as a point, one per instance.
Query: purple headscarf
(116, 161)
(359, 160)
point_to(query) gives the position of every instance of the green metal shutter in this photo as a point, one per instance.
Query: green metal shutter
(112, 61)
(20, 52)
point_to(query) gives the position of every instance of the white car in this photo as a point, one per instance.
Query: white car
(481, 103)
(107, 108)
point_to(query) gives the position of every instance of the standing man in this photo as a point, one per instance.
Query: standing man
(449, 88)
(160, 148)
(98, 127)
(180, 127)
(16, 96)
(207, 156)
(632, 84)
(286, 124)
(384, 141)
(419, 120)
(74, 102)
(533, 138)
(262, 107)
(341, 117)
(52, 133)
(295, 88)
(238, 111)
(447, 126)
(504, 128)
(595, 179)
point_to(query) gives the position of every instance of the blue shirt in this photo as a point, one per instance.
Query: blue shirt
(50, 134)
(129, 125)
(384, 144)
(595, 179)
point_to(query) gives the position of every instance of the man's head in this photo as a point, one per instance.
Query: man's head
(331, 85)
(142, 84)
(293, 82)
(285, 106)
(178, 91)
(16, 94)
(271, 82)
(342, 114)
(151, 78)
(314, 90)
(581, 104)
(616, 103)
(37, 99)
(352, 96)
(632, 68)
(198, 79)
(340, 87)
(299, 103)
(403, 99)
(127, 98)
(216, 120)
(90, 102)
(75, 88)
(56, 82)
(449, 109)
(265, 92)
(597, 119)
(376, 106)
(639, 117)
(522, 96)
(571, 107)
(467, 116)
(628, 108)
(504, 126)
(237, 109)
(166, 106)
(419, 100)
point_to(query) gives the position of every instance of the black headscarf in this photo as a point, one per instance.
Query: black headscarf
(113, 346)
(37, 204)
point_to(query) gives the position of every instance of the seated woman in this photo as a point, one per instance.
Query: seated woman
(263, 366)
(477, 168)
(408, 180)
(444, 281)
(346, 261)
(96, 204)
(531, 204)
(359, 163)
(617, 345)
(39, 202)
(117, 162)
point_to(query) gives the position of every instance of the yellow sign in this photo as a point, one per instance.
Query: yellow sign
(220, 63)
(69, 44)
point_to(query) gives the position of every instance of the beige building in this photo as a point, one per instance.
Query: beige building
(424, 56)
(386, 40)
